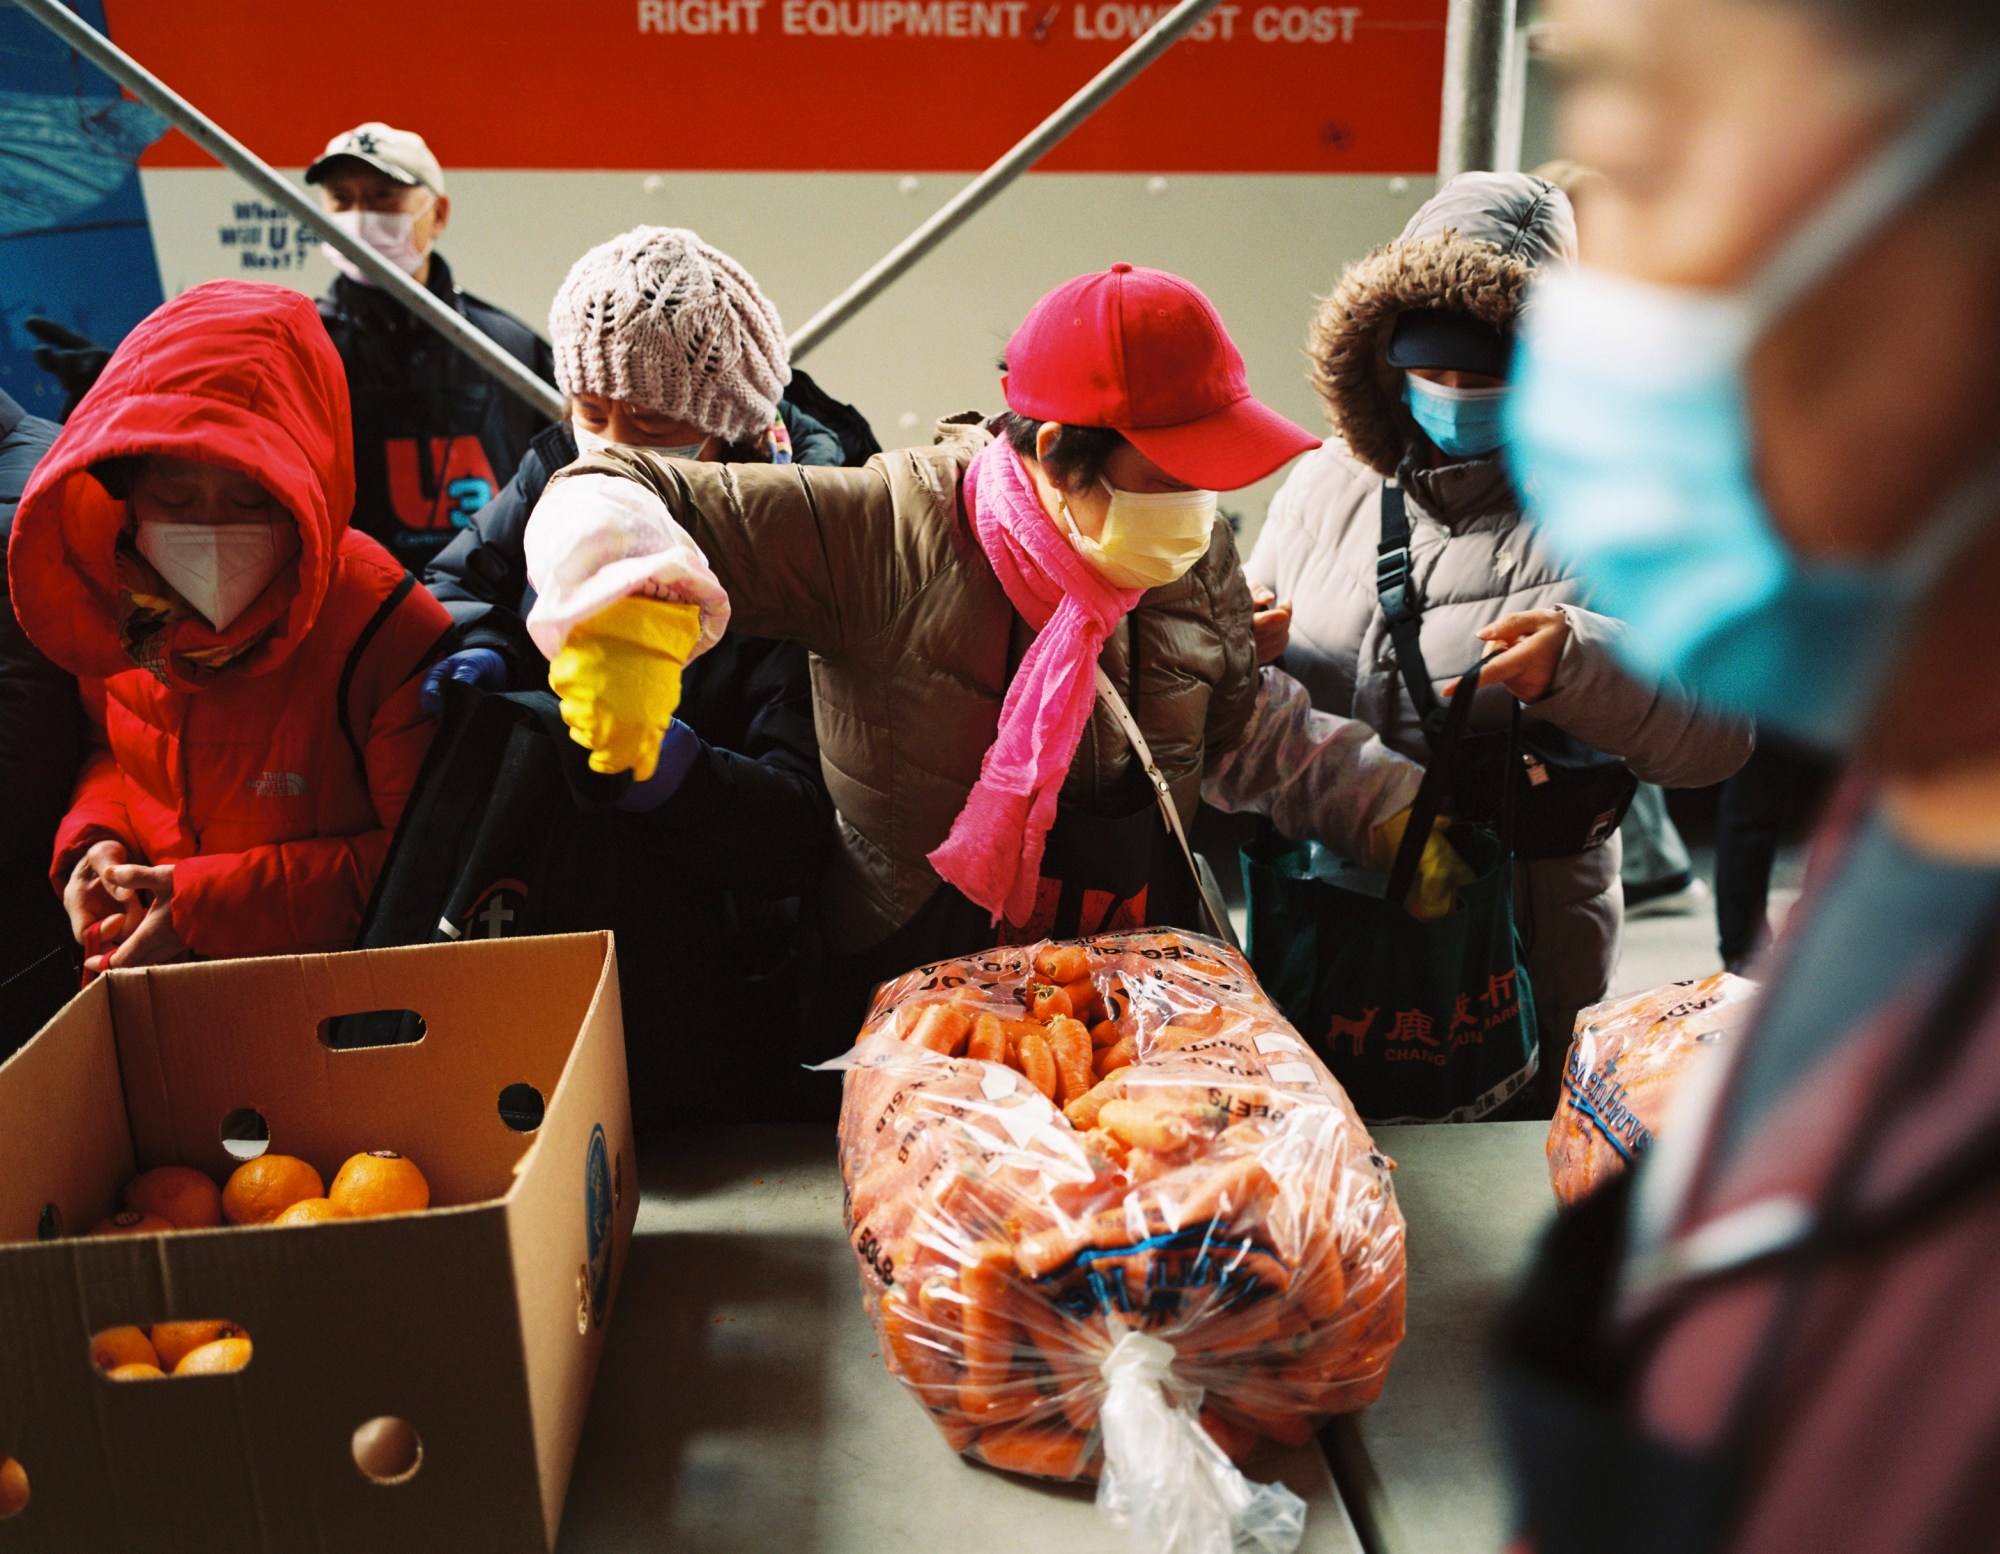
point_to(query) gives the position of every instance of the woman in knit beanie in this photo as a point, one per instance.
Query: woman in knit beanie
(665, 343)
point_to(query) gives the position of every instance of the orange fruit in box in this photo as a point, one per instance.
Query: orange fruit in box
(175, 1341)
(259, 1190)
(117, 1346)
(379, 1182)
(217, 1358)
(137, 1371)
(127, 1222)
(181, 1195)
(13, 1486)
(309, 1211)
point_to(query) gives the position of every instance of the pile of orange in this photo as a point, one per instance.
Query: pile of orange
(269, 1190)
(170, 1349)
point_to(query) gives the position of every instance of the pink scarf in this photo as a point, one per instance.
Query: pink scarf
(994, 852)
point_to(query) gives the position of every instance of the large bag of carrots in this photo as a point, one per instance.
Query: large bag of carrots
(1628, 1060)
(1115, 1220)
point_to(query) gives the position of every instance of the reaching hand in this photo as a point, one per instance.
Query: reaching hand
(1528, 646)
(73, 360)
(468, 666)
(89, 899)
(153, 941)
(1272, 624)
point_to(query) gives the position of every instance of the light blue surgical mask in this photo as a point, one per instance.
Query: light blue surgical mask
(1629, 430)
(1464, 422)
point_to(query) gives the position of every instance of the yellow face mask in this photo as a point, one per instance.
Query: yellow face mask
(1149, 537)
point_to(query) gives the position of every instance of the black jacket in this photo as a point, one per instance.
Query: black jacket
(41, 720)
(435, 437)
(753, 814)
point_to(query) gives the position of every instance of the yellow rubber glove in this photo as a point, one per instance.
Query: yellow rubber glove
(1440, 871)
(619, 679)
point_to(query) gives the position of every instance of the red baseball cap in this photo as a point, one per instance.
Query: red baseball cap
(1145, 353)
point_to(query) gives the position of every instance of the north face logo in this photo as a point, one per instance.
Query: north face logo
(278, 785)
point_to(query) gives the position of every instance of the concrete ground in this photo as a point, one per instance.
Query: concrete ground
(1676, 947)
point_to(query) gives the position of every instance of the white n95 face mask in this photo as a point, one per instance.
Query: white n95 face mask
(391, 233)
(220, 569)
(588, 441)
(1149, 538)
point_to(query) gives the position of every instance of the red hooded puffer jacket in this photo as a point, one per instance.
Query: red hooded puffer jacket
(274, 786)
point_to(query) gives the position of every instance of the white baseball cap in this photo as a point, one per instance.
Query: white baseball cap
(401, 154)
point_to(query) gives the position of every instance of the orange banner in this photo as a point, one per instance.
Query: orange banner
(1261, 86)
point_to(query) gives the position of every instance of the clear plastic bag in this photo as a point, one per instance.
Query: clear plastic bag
(1628, 1059)
(1113, 1217)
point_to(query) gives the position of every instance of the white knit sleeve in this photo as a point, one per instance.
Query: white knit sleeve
(594, 539)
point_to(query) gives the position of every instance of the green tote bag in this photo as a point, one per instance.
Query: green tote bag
(1420, 1021)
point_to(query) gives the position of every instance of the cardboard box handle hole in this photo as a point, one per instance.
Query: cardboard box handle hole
(388, 1450)
(522, 1108)
(368, 1028)
(245, 1133)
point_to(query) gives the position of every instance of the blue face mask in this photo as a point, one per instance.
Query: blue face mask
(1463, 422)
(1630, 433)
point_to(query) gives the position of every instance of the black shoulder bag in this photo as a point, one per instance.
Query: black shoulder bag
(1570, 796)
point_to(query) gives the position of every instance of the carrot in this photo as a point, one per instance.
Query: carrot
(1070, 1043)
(1117, 1000)
(1324, 1286)
(1106, 1033)
(1038, 1062)
(1144, 1127)
(1041, 1451)
(1084, 1004)
(918, 1353)
(1236, 1440)
(942, 1028)
(989, 1331)
(1046, 1001)
(988, 1041)
(1121, 1054)
(1060, 963)
(1290, 1428)
(1084, 1110)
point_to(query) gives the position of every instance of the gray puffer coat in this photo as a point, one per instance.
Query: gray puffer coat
(1473, 559)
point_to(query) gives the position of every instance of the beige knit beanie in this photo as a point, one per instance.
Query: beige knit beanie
(659, 318)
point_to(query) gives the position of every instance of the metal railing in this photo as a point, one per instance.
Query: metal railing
(975, 196)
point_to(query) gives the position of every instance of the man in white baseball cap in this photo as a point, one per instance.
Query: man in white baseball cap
(434, 436)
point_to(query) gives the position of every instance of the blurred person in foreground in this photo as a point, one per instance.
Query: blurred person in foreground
(435, 435)
(1761, 422)
(248, 664)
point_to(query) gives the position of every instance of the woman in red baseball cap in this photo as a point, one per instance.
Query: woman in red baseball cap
(961, 601)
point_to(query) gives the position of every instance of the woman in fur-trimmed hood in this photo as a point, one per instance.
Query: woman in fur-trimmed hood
(1409, 355)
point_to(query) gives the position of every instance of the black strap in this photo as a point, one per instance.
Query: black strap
(1403, 610)
(354, 654)
(1434, 790)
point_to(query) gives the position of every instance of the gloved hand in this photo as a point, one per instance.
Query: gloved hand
(678, 749)
(1440, 871)
(619, 680)
(468, 666)
(73, 360)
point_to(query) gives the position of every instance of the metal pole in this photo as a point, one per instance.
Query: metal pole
(970, 200)
(232, 153)
(1476, 39)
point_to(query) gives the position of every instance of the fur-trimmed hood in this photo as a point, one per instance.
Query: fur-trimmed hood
(1473, 248)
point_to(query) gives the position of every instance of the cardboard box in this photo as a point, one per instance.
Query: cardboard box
(479, 1322)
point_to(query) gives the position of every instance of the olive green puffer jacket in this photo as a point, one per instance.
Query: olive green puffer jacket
(878, 572)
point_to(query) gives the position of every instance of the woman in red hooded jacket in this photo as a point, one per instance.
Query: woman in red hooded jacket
(249, 665)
